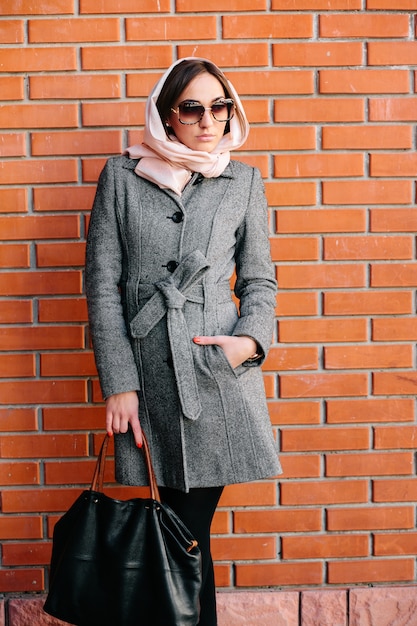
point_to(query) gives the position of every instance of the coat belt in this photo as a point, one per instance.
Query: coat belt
(169, 299)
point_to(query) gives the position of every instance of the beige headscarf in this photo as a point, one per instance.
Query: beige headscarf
(167, 162)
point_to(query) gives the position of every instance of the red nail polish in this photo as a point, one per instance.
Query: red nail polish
(110, 434)
(139, 445)
(196, 339)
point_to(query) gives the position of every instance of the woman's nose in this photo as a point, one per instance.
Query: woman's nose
(207, 118)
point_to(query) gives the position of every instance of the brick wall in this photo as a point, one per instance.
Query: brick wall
(330, 90)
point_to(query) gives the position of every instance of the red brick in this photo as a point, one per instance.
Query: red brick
(329, 276)
(368, 357)
(38, 171)
(284, 359)
(67, 30)
(125, 57)
(322, 330)
(56, 255)
(308, 439)
(364, 81)
(395, 544)
(375, 137)
(363, 25)
(17, 366)
(246, 495)
(39, 227)
(62, 310)
(27, 7)
(221, 524)
(395, 490)
(299, 26)
(372, 410)
(17, 420)
(230, 54)
(392, 109)
(300, 466)
(43, 392)
(13, 144)
(38, 59)
(279, 574)
(291, 194)
(390, 330)
(401, 383)
(319, 110)
(12, 31)
(15, 554)
(391, 53)
(317, 54)
(222, 575)
(113, 114)
(368, 247)
(312, 5)
(277, 521)
(295, 249)
(398, 437)
(194, 6)
(318, 166)
(73, 364)
(19, 473)
(22, 527)
(91, 169)
(38, 338)
(83, 418)
(318, 385)
(393, 220)
(320, 221)
(243, 548)
(39, 500)
(281, 138)
(13, 201)
(325, 547)
(393, 165)
(390, 4)
(324, 492)
(282, 412)
(14, 255)
(273, 82)
(370, 518)
(140, 85)
(75, 472)
(43, 446)
(16, 311)
(63, 198)
(123, 6)
(289, 304)
(371, 571)
(395, 275)
(77, 142)
(368, 303)
(40, 283)
(367, 192)
(83, 86)
(369, 464)
(23, 580)
(170, 28)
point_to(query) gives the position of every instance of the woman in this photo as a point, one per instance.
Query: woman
(173, 219)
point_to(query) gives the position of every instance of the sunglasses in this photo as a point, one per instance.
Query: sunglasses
(191, 112)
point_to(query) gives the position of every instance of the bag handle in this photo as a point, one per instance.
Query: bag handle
(98, 476)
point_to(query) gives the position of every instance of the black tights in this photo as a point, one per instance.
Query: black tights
(196, 509)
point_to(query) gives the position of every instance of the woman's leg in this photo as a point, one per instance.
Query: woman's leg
(196, 509)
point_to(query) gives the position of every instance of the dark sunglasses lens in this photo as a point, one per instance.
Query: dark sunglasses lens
(222, 111)
(190, 113)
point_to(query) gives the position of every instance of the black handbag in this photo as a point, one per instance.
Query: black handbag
(123, 563)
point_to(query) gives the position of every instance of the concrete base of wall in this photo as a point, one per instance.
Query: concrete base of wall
(358, 606)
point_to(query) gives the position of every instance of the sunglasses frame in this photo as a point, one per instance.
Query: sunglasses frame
(226, 101)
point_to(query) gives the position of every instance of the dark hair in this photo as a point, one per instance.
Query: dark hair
(178, 79)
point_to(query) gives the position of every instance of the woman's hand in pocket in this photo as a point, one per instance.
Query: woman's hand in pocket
(236, 348)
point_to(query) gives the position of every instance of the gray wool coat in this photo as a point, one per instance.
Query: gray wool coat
(158, 270)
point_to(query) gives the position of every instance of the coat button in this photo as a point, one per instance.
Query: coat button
(172, 266)
(177, 217)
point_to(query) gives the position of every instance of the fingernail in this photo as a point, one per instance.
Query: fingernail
(139, 445)
(196, 339)
(110, 434)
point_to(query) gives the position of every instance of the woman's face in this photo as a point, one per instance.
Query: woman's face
(205, 134)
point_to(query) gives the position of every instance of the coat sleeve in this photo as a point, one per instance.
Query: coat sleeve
(255, 285)
(104, 271)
